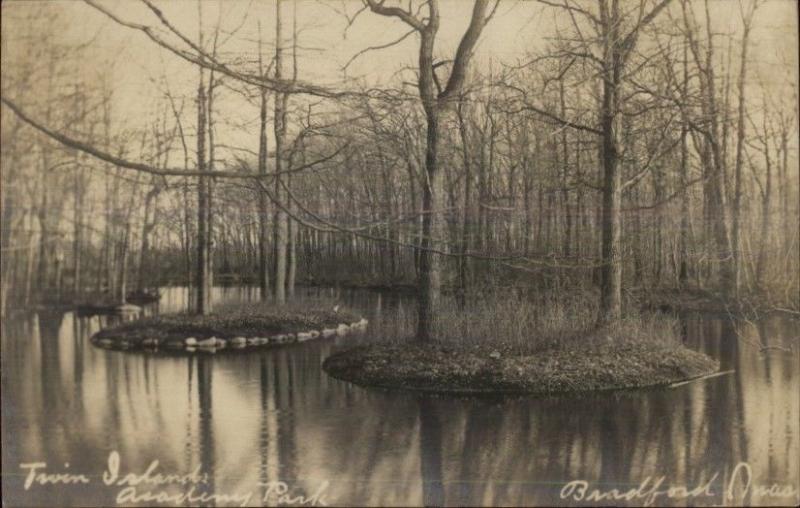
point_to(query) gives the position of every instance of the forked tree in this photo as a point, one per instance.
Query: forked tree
(436, 101)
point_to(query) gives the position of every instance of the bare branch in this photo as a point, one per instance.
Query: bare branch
(572, 9)
(378, 7)
(203, 59)
(629, 41)
(379, 47)
(528, 107)
(465, 49)
(146, 168)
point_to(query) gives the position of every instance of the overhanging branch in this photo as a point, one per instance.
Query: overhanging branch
(146, 168)
(208, 61)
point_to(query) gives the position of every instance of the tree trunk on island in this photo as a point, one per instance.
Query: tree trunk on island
(430, 263)
(435, 100)
(611, 271)
(617, 48)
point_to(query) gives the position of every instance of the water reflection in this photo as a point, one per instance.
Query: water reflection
(248, 420)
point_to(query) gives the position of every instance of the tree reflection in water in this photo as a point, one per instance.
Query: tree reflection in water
(275, 416)
(430, 451)
(204, 396)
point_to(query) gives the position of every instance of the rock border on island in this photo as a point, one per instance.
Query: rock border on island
(190, 344)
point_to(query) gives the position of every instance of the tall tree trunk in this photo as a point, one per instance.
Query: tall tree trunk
(737, 195)
(683, 234)
(122, 285)
(465, 224)
(786, 226)
(187, 227)
(77, 240)
(291, 251)
(203, 302)
(209, 186)
(717, 199)
(611, 273)
(430, 263)
(564, 177)
(44, 222)
(44, 240)
(291, 270)
(263, 219)
(580, 214)
(6, 224)
(148, 224)
(112, 208)
(765, 209)
(281, 220)
(27, 282)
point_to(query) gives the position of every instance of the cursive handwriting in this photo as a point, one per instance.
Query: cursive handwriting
(652, 489)
(129, 495)
(41, 478)
(152, 486)
(111, 476)
(278, 493)
(742, 477)
(647, 492)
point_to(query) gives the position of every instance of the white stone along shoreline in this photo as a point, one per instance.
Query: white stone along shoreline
(214, 344)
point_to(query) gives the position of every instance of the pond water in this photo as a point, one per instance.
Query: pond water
(250, 421)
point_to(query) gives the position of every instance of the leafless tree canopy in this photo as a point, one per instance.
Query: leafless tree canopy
(615, 145)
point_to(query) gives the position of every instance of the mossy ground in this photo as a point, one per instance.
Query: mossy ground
(597, 365)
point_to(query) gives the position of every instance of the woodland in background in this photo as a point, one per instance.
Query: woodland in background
(635, 150)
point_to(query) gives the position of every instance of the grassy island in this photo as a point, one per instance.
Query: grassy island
(231, 326)
(440, 367)
(513, 345)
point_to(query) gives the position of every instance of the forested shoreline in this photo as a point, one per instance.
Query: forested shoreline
(635, 151)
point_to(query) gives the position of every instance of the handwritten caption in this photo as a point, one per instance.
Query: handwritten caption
(739, 485)
(154, 486)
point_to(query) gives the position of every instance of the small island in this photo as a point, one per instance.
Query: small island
(239, 327)
(526, 353)
(443, 368)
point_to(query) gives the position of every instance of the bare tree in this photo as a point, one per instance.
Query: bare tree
(436, 100)
(281, 219)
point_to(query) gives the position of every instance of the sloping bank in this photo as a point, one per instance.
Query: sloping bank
(237, 328)
(445, 368)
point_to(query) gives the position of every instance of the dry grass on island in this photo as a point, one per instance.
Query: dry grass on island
(512, 344)
(254, 324)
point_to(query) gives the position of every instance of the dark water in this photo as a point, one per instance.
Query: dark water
(272, 416)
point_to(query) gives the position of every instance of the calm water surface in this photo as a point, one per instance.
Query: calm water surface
(274, 415)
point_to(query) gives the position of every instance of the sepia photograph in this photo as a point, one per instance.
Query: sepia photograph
(469, 253)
